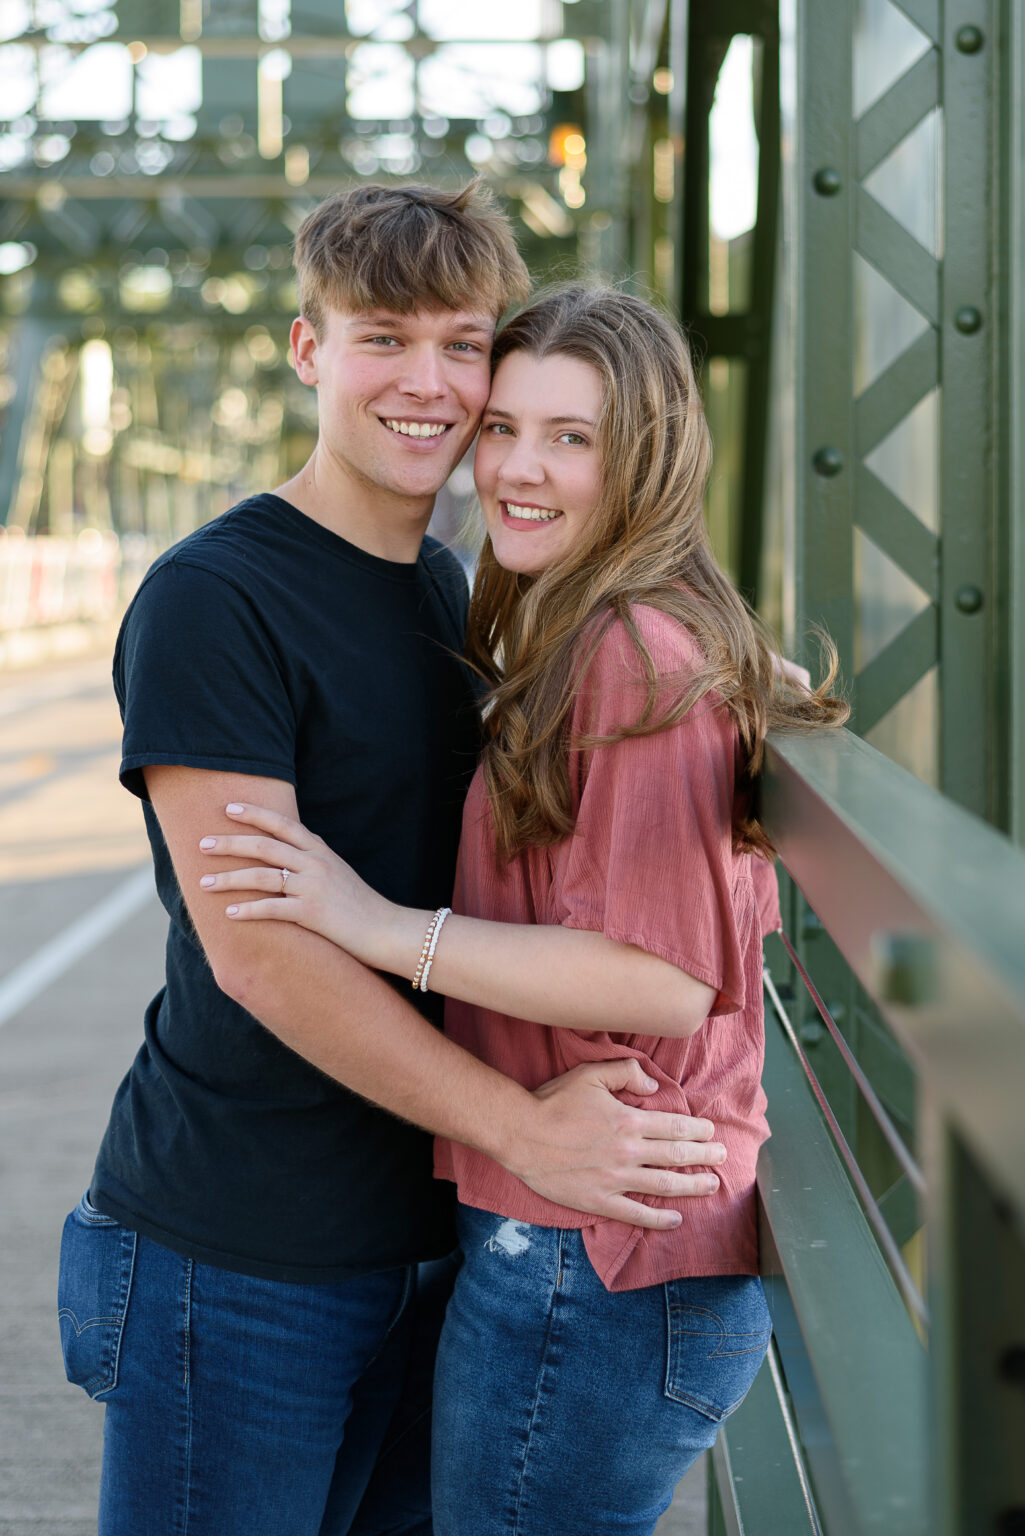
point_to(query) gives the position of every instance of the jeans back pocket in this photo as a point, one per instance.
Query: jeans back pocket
(719, 1330)
(97, 1259)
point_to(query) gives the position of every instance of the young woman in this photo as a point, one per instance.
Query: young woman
(605, 905)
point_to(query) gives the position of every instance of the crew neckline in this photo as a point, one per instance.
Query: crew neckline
(342, 548)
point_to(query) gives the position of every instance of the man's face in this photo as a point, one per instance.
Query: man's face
(399, 396)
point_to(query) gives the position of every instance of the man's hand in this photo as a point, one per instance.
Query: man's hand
(584, 1149)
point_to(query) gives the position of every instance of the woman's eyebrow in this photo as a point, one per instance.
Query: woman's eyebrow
(549, 421)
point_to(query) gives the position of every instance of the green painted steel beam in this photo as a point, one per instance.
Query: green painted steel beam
(924, 13)
(895, 670)
(926, 903)
(887, 121)
(897, 390)
(897, 531)
(763, 298)
(1011, 657)
(968, 738)
(902, 259)
(761, 1480)
(977, 1357)
(820, 57)
(861, 1410)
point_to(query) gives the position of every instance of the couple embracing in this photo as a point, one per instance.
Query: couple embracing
(452, 1093)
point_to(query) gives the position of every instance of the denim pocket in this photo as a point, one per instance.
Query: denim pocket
(96, 1263)
(719, 1329)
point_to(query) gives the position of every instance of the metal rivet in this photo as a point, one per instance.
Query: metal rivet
(968, 39)
(827, 182)
(828, 462)
(1011, 1365)
(968, 599)
(968, 320)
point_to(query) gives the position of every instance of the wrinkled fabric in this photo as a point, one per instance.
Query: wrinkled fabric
(651, 862)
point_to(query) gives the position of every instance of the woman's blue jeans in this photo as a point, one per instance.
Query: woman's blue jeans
(245, 1407)
(561, 1409)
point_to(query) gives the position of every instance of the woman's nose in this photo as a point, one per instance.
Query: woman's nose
(522, 465)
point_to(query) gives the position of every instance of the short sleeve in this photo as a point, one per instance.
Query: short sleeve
(200, 681)
(763, 875)
(651, 859)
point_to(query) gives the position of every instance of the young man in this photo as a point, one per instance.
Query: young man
(238, 1284)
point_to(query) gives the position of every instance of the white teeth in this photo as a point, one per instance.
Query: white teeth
(531, 514)
(418, 428)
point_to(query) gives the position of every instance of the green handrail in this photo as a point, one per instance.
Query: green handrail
(867, 1419)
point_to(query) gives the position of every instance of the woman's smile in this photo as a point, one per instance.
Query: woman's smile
(515, 515)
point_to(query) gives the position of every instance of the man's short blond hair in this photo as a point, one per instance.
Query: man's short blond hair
(406, 249)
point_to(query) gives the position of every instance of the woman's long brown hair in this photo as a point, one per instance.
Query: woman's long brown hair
(531, 637)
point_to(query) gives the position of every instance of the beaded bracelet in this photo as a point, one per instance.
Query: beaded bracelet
(440, 915)
(430, 944)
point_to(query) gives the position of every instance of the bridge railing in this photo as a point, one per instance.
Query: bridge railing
(893, 1400)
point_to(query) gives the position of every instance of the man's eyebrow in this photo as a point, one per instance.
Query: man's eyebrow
(549, 421)
(386, 317)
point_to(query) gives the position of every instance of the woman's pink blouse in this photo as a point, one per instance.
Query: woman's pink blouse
(650, 863)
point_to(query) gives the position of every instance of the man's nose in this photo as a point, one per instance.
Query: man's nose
(424, 376)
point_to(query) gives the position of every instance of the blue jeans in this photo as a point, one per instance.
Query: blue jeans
(563, 1409)
(245, 1407)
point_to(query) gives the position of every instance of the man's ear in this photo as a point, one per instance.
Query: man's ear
(303, 339)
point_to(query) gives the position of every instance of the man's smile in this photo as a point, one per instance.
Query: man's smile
(416, 429)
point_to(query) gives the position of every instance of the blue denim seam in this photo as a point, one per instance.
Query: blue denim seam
(675, 1308)
(91, 1216)
(400, 1308)
(671, 1390)
(540, 1374)
(117, 1318)
(186, 1347)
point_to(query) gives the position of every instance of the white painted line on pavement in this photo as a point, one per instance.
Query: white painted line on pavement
(34, 975)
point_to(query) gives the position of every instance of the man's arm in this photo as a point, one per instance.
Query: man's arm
(572, 1142)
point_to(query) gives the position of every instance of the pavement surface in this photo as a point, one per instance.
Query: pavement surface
(81, 942)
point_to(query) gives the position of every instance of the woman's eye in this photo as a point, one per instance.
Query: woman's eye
(575, 439)
(498, 428)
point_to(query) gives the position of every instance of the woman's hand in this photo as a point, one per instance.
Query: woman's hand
(307, 883)
(791, 672)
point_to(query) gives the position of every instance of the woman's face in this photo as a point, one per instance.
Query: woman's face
(537, 464)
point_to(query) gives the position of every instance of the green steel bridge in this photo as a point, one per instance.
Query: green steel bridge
(831, 196)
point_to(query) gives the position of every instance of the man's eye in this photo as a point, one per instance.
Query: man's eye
(384, 341)
(465, 346)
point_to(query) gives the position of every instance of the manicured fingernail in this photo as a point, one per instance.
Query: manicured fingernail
(207, 880)
(677, 1218)
(713, 1184)
(234, 810)
(208, 842)
(231, 911)
(651, 1082)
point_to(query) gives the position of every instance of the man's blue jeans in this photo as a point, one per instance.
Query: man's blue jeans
(245, 1407)
(561, 1409)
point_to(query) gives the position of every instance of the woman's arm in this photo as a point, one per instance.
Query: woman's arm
(563, 977)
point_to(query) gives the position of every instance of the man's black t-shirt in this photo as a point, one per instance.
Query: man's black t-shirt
(265, 644)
